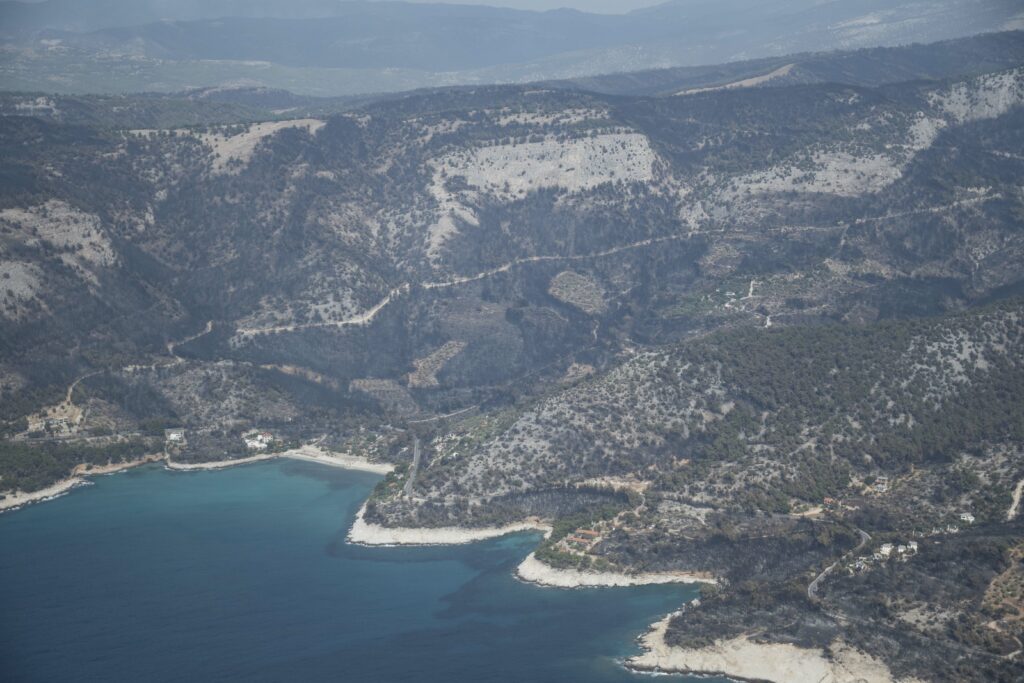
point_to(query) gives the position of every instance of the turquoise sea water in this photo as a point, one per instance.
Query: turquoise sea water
(243, 574)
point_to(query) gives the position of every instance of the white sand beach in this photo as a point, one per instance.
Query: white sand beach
(308, 452)
(218, 464)
(534, 571)
(364, 533)
(313, 453)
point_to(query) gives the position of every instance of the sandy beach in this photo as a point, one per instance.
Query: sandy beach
(218, 464)
(534, 571)
(312, 453)
(742, 659)
(309, 453)
(364, 533)
(79, 477)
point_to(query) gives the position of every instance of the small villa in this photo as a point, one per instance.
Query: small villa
(258, 441)
(174, 436)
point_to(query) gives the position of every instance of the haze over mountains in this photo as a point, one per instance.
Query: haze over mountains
(332, 48)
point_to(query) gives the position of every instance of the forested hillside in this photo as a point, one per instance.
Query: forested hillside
(332, 257)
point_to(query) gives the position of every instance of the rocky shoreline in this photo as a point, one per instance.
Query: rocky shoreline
(536, 572)
(365, 533)
(79, 477)
(743, 659)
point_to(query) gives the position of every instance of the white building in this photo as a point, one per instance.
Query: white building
(967, 517)
(258, 441)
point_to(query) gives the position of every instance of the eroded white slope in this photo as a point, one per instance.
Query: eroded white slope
(509, 171)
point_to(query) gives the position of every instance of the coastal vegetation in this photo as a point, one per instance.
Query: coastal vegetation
(30, 467)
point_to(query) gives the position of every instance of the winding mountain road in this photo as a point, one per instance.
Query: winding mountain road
(368, 316)
(68, 404)
(812, 587)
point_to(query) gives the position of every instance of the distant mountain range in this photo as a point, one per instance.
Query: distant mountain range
(332, 48)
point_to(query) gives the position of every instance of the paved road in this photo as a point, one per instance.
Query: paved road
(812, 588)
(416, 453)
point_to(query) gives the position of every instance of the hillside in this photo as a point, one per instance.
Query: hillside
(763, 420)
(446, 215)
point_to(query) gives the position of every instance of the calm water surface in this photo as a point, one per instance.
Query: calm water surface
(244, 574)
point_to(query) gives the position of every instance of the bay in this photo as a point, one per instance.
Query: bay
(244, 574)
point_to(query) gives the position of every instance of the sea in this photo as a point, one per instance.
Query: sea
(244, 574)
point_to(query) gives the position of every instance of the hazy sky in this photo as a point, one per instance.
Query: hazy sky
(603, 6)
(606, 6)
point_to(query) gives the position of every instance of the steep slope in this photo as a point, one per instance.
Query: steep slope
(759, 419)
(447, 216)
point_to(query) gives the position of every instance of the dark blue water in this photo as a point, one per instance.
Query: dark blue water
(244, 574)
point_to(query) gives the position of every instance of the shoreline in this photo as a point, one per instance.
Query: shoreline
(216, 464)
(532, 570)
(308, 453)
(347, 461)
(742, 659)
(19, 499)
(79, 477)
(367, 534)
